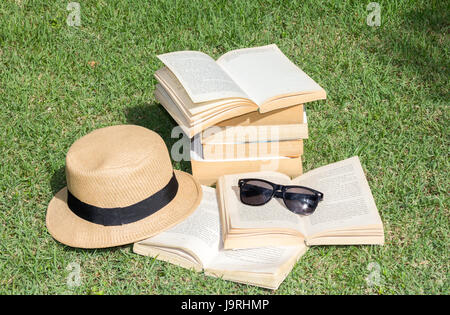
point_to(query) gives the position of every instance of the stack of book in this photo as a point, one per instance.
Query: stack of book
(246, 118)
(243, 112)
(251, 142)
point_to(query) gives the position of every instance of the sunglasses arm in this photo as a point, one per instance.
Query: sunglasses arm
(320, 195)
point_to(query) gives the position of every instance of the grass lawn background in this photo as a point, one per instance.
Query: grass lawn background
(387, 102)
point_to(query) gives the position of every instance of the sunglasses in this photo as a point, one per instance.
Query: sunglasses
(298, 199)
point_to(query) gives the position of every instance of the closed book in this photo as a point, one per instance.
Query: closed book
(219, 151)
(207, 171)
(282, 116)
(256, 133)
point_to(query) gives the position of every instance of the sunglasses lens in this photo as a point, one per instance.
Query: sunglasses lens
(300, 200)
(255, 192)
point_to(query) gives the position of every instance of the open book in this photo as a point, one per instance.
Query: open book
(347, 215)
(198, 91)
(195, 244)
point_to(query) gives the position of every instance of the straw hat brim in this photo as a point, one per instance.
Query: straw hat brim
(69, 229)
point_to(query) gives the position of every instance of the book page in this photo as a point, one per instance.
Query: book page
(199, 233)
(347, 202)
(262, 260)
(201, 77)
(265, 72)
(272, 215)
(171, 83)
(167, 102)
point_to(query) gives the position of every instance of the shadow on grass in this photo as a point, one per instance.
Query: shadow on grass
(129, 248)
(419, 45)
(58, 180)
(153, 116)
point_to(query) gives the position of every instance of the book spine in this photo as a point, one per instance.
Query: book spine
(207, 172)
(293, 148)
(241, 134)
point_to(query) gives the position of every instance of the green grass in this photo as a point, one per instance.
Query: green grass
(387, 102)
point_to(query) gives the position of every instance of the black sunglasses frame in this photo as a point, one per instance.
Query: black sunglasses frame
(278, 191)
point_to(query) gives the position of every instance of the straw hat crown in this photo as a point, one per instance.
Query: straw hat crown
(121, 188)
(117, 166)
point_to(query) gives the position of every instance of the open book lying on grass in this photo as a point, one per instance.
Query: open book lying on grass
(347, 215)
(195, 244)
(198, 91)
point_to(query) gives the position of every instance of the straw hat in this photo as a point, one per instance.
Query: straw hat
(121, 188)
